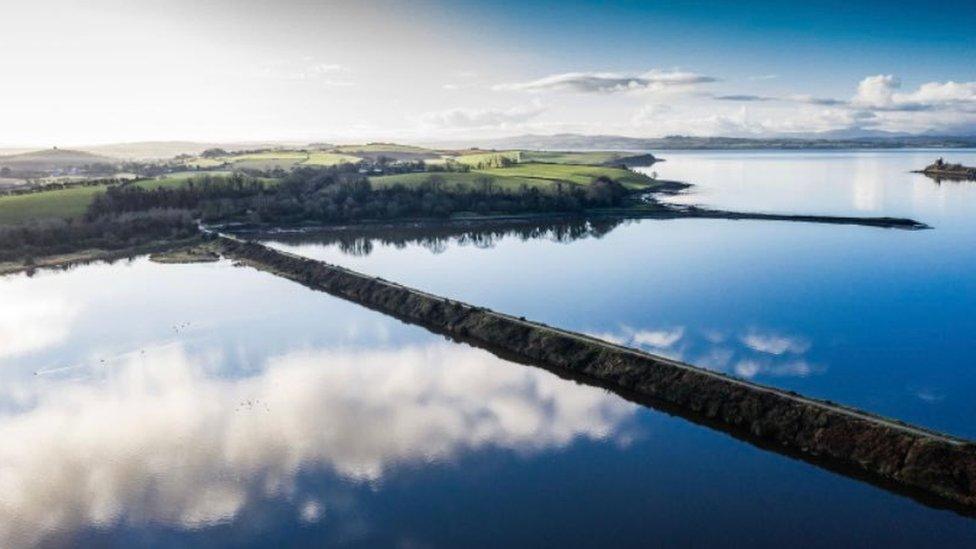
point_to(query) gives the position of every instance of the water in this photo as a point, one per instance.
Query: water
(876, 318)
(179, 405)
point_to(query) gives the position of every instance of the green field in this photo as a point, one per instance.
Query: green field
(542, 176)
(73, 202)
(204, 163)
(555, 157)
(580, 175)
(47, 205)
(487, 158)
(177, 179)
(268, 160)
(382, 147)
(318, 158)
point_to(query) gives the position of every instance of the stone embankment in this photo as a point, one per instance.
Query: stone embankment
(932, 467)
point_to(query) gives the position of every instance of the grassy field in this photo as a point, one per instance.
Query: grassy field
(275, 159)
(73, 202)
(542, 176)
(268, 160)
(319, 158)
(204, 163)
(46, 205)
(382, 147)
(487, 158)
(580, 175)
(590, 158)
(177, 179)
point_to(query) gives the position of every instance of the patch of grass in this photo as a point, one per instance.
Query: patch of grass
(487, 158)
(578, 174)
(63, 203)
(382, 147)
(267, 160)
(319, 158)
(205, 163)
(177, 179)
(587, 158)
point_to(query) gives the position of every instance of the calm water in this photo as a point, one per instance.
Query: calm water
(878, 318)
(182, 405)
(207, 404)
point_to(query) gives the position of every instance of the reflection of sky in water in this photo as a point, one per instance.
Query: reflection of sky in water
(154, 437)
(226, 406)
(751, 354)
(886, 315)
(178, 421)
(842, 183)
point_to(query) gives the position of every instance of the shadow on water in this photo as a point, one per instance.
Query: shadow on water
(360, 240)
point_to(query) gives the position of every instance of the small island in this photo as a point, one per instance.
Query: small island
(940, 169)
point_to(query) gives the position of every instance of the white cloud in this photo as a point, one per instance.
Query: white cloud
(306, 70)
(481, 118)
(610, 82)
(876, 91)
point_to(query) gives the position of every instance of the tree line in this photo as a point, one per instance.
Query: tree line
(334, 195)
(60, 236)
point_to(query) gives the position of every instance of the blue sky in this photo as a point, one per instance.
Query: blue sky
(109, 70)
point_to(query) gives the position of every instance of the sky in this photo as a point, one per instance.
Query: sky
(103, 71)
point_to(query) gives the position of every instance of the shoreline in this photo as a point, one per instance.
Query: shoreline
(67, 260)
(934, 468)
(655, 211)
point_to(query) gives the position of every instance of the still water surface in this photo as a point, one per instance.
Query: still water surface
(877, 318)
(210, 405)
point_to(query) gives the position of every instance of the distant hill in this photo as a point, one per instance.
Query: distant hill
(835, 140)
(50, 160)
(159, 150)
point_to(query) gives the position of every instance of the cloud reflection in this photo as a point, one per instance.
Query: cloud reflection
(756, 353)
(159, 439)
(29, 324)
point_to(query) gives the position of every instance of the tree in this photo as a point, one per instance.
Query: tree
(213, 153)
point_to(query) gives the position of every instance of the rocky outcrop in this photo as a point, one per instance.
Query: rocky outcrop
(635, 161)
(943, 170)
(930, 466)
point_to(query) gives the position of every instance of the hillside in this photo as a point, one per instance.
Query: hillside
(579, 142)
(155, 150)
(52, 160)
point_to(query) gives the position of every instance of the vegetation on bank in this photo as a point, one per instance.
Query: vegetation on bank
(335, 195)
(321, 185)
(111, 232)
